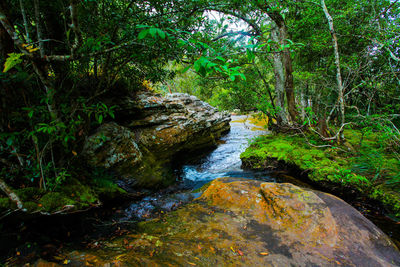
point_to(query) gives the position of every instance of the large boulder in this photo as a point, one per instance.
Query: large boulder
(149, 132)
(239, 222)
(172, 124)
(112, 146)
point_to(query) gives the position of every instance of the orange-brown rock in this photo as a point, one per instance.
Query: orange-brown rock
(250, 223)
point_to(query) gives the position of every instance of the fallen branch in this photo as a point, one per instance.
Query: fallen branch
(11, 195)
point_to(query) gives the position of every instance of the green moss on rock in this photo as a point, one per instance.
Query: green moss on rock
(389, 198)
(324, 166)
(319, 164)
(54, 201)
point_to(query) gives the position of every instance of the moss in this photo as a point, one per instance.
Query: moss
(29, 193)
(82, 193)
(5, 203)
(321, 165)
(328, 167)
(389, 198)
(31, 206)
(54, 201)
(79, 192)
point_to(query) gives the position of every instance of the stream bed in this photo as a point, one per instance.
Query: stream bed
(223, 161)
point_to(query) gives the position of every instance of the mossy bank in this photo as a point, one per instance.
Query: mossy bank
(74, 196)
(360, 167)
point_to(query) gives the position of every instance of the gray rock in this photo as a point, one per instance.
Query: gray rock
(150, 130)
(112, 146)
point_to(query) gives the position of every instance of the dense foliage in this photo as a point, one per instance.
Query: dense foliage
(64, 60)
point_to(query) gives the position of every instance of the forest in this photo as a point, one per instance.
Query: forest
(322, 75)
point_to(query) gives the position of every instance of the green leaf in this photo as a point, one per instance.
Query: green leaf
(233, 77)
(12, 60)
(181, 43)
(185, 69)
(143, 34)
(197, 65)
(250, 55)
(161, 33)
(153, 32)
(9, 141)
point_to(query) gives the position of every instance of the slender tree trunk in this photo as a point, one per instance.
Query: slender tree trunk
(38, 28)
(279, 73)
(38, 67)
(337, 63)
(287, 61)
(265, 85)
(303, 103)
(28, 39)
(286, 58)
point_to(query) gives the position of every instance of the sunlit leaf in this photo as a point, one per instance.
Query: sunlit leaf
(12, 60)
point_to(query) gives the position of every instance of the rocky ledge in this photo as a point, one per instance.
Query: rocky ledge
(239, 222)
(149, 131)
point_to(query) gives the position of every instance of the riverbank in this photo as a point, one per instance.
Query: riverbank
(360, 168)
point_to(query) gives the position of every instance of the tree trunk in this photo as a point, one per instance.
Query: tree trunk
(21, 4)
(279, 73)
(337, 63)
(39, 33)
(287, 60)
(303, 104)
(6, 42)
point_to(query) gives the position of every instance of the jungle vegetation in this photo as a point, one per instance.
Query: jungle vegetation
(314, 67)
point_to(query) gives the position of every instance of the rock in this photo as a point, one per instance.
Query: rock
(172, 124)
(112, 146)
(43, 263)
(149, 132)
(240, 222)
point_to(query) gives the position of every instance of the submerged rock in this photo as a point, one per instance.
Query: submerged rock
(240, 222)
(150, 130)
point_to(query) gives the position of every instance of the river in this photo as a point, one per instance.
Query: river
(223, 161)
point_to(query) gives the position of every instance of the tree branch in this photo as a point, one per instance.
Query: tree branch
(13, 34)
(11, 195)
(250, 22)
(232, 33)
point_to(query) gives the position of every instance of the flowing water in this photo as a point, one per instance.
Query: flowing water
(225, 161)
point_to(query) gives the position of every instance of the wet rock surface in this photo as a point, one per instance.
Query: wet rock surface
(240, 222)
(149, 132)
